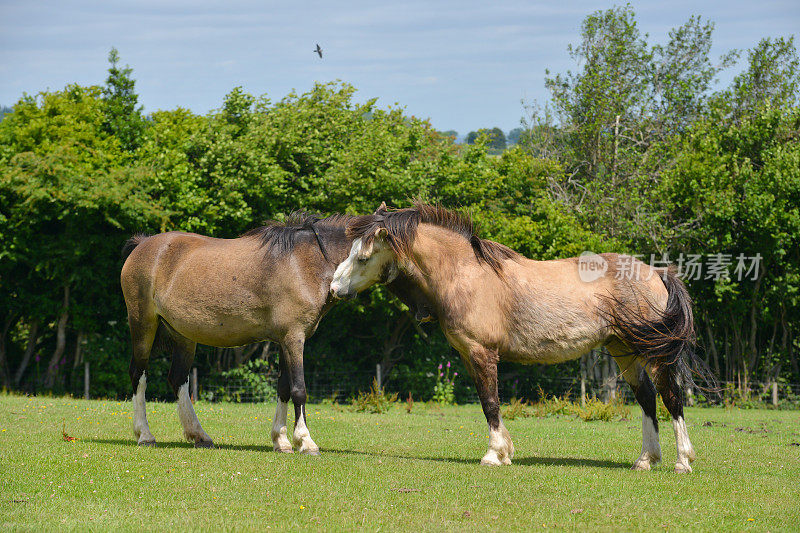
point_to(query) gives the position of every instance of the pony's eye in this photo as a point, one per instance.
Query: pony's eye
(363, 260)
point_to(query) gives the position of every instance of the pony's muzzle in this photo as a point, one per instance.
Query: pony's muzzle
(338, 292)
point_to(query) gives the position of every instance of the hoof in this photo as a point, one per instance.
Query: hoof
(204, 444)
(313, 451)
(279, 449)
(683, 469)
(640, 466)
(148, 443)
(491, 459)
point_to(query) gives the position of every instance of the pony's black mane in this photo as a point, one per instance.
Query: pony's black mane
(401, 225)
(281, 238)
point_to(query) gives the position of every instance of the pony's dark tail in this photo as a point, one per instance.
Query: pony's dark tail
(132, 243)
(666, 342)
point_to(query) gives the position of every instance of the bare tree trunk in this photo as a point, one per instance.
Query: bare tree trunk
(265, 351)
(614, 175)
(607, 376)
(596, 368)
(753, 345)
(736, 344)
(712, 347)
(4, 377)
(61, 342)
(391, 344)
(78, 359)
(727, 355)
(249, 351)
(238, 356)
(786, 342)
(33, 337)
(218, 354)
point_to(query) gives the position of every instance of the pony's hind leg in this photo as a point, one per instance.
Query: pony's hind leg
(635, 375)
(672, 395)
(143, 334)
(182, 358)
(280, 442)
(301, 437)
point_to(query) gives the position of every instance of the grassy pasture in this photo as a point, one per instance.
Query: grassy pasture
(395, 471)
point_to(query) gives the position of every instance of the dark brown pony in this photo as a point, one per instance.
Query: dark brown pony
(271, 283)
(494, 304)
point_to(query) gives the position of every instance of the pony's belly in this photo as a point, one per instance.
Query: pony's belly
(216, 327)
(551, 351)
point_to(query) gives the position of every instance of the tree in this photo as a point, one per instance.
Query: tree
(123, 118)
(496, 139)
(514, 136)
(772, 78)
(626, 97)
(66, 205)
(733, 190)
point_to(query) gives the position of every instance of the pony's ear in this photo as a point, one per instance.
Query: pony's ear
(381, 233)
(381, 209)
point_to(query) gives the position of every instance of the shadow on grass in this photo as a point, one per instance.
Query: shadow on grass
(544, 461)
(183, 444)
(549, 461)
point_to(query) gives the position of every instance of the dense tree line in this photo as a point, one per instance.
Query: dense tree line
(635, 153)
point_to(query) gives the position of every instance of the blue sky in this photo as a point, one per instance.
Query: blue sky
(462, 64)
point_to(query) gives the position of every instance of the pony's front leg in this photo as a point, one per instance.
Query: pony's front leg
(280, 442)
(301, 437)
(483, 363)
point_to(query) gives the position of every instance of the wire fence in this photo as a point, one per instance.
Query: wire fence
(341, 387)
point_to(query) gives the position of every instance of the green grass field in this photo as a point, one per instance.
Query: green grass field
(395, 471)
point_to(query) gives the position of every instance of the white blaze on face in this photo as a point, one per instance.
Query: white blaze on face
(364, 267)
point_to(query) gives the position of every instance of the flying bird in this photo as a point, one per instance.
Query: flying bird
(319, 51)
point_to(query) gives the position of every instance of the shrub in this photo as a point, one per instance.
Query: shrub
(598, 410)
(558, 406)
(515, 408)
(374, 401)
(249, 382)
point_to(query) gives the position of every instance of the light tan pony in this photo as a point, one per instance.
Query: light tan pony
(271, 283)
(494, 304)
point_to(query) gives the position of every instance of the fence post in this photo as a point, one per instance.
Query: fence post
(86, 380)
(378, 375)
(775, 393)
(194, 384)
(690, 395)
(583, 392)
